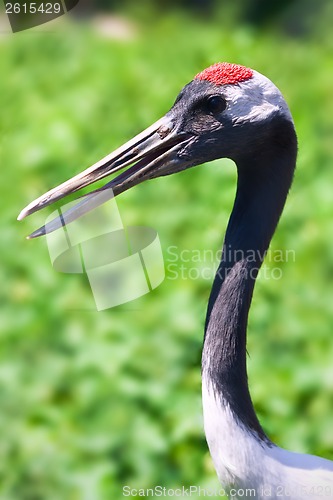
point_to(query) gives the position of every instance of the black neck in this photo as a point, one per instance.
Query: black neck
(263, 185)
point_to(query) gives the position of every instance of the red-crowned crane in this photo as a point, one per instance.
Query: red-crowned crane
(229, 111)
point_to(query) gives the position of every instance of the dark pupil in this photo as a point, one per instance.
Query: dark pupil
(216, 104)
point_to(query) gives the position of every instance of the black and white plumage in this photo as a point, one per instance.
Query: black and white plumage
(245, 118)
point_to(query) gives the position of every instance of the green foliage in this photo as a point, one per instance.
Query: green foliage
(91, 401)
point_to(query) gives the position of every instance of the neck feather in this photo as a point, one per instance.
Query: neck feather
(263, 185)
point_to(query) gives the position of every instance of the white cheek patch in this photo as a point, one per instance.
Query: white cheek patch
(255, 100)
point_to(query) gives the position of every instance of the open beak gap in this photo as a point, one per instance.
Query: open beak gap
(147, 152)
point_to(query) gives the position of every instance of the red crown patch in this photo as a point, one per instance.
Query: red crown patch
(225, 74)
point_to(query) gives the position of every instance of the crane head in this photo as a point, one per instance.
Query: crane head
(227, 110)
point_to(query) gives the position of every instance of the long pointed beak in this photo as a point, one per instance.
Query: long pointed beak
(152, 153)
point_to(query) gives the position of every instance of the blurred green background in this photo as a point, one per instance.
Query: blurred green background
(91, 401)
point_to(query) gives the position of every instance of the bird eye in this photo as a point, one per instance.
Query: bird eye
(216, 104)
